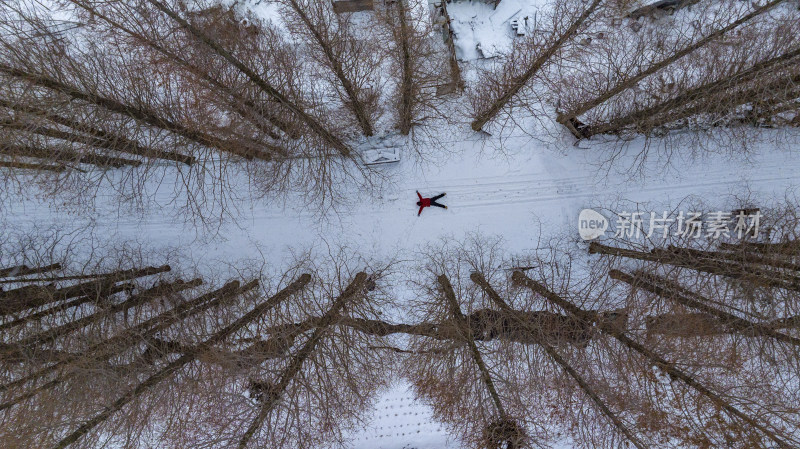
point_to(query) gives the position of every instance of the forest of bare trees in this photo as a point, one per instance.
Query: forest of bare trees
(208, 92)
(112, 350)
(680, 345)
(128, 93)
(723, 64)
(606, 344)
(707, 78)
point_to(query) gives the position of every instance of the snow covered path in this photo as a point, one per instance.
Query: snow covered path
(509, 194)
(529, 191)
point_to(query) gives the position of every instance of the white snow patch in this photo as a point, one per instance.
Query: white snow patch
(400, 422)
(484, 32)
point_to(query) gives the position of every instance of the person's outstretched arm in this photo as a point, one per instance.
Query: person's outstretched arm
(420, 210)
(420, 197)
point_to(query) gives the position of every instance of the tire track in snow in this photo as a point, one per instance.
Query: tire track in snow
(520, 192)
(546, 198)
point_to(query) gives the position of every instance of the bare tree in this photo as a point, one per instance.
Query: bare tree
(628, 59)
(485, 388)
(354, 62)
(418, 65)
(751, 80)
(497, 88)
(78, 104)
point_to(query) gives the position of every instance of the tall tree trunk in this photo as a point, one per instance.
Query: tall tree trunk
(485, 325)
(62, 155)
(24, 270)
(671, 291)
(516, 84)
(120, 143)
(30, 297)
(790, 248)
(185, 359)
(792, 322)
(275, 392)
(71, 278)
(9, 299)
(407, 101)
(664, 365)
(746, 273)
(466, 336)
(27, 166)
(455, 71)
(478, 279)
(736, 257)
(356, 106)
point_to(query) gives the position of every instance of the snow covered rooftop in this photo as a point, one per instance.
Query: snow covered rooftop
(481, 31)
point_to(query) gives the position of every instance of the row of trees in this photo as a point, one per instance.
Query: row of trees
(134, 92)
(162, 356)
(154, 84)
(681, 345)
(714, 64)
(723, 63)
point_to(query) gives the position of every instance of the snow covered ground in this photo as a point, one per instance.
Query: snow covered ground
(482, 31)
(526, 192)
(523, 188)
(399, 422)
(519, 192)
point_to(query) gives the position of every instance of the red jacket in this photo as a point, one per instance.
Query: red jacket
(423, 203)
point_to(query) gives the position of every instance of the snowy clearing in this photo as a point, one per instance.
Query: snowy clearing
(523, 179)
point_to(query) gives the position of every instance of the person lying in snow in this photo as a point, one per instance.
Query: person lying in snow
(427, 202)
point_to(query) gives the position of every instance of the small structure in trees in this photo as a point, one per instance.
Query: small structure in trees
(345, 6)
(381, 156)
(659, 8)
(383, 149)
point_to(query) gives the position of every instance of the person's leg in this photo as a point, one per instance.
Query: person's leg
(434, 203)
(438, 196)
